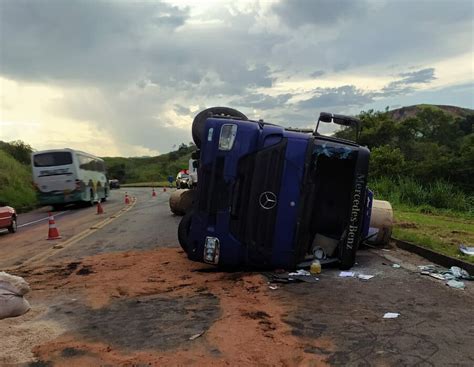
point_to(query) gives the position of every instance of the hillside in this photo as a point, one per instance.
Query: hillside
(411, 111)
(131, 170)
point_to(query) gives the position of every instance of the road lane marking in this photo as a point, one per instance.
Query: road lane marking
(40, 220)
(78, 237)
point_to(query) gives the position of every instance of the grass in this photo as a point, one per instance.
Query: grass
(434, 195)
(441, 231)
(16, 187)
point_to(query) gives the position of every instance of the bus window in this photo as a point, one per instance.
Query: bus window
(90, 164)
(52, 159)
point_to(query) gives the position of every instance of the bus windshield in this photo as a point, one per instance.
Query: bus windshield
(52, 159)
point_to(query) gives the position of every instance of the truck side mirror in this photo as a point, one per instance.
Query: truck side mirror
(325, 117)
(340, 120)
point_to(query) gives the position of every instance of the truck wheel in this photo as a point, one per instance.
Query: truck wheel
(13, 227)
(199, 121)
(183, 230)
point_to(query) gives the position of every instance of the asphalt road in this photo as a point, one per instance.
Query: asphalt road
(117, 290)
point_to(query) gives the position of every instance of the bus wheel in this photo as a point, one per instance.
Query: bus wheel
(58, 207)
(91, 200)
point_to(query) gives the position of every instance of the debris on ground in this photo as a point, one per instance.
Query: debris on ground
(452, 276)
(273, 287)
(467, 250)
(396, 266)
(391, 315)
(346, 274)
(300, 272)
(456, 284)
(315, 267)
(365, 276)
(297, 276)
(12, 290)
(195, 336)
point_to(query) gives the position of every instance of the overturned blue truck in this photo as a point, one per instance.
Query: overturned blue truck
(275, 197)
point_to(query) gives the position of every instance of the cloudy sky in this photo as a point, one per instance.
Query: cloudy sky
(126, 77)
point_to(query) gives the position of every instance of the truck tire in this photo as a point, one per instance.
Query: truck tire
(183, 230)
(199, 121)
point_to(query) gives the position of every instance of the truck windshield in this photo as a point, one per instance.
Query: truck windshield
(52, 159)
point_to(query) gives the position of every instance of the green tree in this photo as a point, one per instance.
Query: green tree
(18, 150)
(386, 161)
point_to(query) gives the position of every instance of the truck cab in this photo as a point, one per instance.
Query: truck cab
(273, 197)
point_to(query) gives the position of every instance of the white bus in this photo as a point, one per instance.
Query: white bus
(63, 176)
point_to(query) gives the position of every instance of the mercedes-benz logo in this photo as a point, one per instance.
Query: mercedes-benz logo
(267, 200)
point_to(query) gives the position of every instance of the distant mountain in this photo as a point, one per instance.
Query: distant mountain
(411, 111)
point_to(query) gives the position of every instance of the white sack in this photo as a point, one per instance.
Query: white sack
(20, 286)
(12, 289)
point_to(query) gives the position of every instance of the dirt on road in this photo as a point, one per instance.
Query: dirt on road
(156, 307)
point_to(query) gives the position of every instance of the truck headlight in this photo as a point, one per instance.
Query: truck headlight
(211, 250)
(227, 137)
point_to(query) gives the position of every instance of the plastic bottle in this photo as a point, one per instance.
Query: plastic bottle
(315, 268)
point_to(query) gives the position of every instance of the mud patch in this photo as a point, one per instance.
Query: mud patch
(72, 352)
(141, 323)
(256, 315)
(85, 270)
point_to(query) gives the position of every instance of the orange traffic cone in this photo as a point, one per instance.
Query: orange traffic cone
(53, 233)
(100, 210)
(127, 199)
(153, 193)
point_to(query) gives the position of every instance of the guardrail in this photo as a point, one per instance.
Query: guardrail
(436, 257)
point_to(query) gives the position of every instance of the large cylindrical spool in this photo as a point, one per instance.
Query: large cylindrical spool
(181, 201)
(381, 222)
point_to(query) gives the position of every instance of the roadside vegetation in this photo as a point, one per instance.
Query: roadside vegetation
(16, 188)
(422, 161)
(149, 169)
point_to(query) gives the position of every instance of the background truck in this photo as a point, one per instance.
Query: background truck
(274, 197)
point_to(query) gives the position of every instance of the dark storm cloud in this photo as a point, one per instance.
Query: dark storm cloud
(382, 33)
(408, 82)
(181, 110)
(296, 13)
(138, 60)
(420, 76)
(79, 40)
(317, 73)
(347, 95)
(262, 101)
